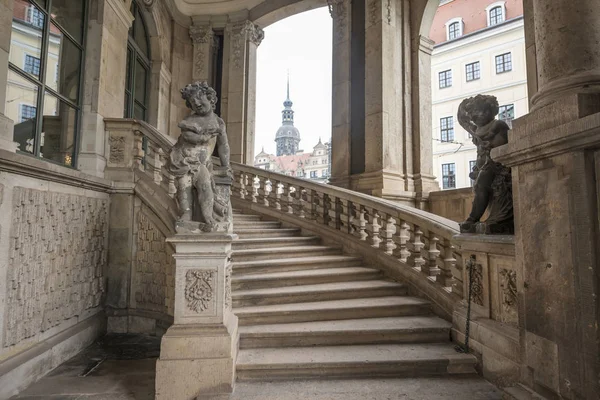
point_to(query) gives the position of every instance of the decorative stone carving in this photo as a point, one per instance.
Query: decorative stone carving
(199, 289)
(228, 272)
(57, 257)
(339, 12)
(508, 284)
(202, 189)
(200, 35)
(117, 149)
(475, 271)
(388, 7)
(373, 11)
(240, 32)
(154, 283)
(493, 183)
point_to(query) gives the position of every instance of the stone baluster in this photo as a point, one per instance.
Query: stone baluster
(243, 182)
(347, 219)
(387, 234)
(446, 278)
(299, 201)
(334, 212)
(172, 187)
(430, 268)
(138, 150)
(275, 194)
(320, 207)
(401, 238)
(288, 197)
(359, 222)
(263, 191)
(373, 228)
(417, 245)
(255, 183)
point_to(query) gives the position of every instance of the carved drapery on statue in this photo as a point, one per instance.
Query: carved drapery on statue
(203, 189)
(493, 182)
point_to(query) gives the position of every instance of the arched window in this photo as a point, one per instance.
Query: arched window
(496, 13)
(454, 30)
(138, 68)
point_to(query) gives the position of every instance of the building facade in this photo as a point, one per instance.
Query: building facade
(479, 49)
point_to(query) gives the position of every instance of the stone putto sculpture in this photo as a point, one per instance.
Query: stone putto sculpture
(203, 190)
(493, 185)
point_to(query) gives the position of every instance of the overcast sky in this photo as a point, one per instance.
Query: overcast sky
(302, 45)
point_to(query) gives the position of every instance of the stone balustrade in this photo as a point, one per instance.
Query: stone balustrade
(413, 238)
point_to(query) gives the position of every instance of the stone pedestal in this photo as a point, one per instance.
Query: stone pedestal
(198, 353)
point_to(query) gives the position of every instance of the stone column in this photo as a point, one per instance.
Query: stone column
(340, 141)
(198, 353)
(556, 175)
(6, 124)
(104, 82)
(239, 102)
(202, 37)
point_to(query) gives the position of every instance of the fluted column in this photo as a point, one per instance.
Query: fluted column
(239, 88)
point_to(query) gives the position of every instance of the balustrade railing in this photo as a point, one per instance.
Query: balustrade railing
(414, 238)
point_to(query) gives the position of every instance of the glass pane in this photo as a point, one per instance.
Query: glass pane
(63, 66)
(126, 108)
(69, 15)
(139, 112)
(26, 40)
(140, 82)
(58, 131)
(128, 71)
(21, 107)
(140, 34)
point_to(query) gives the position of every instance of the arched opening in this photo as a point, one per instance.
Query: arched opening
(138, 68)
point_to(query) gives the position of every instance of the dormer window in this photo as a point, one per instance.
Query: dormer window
(454, 28)
(496, 13)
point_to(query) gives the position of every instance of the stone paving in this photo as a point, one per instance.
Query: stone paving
(121, 367)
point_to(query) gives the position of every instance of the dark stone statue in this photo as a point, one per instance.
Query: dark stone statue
(493, 184)
(203, 190)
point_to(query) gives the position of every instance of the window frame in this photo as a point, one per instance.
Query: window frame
(494, 6)
(503, 62)
(137, 54)
(21, 105)
(476, 72)
(39, 64)
(507, 120)
(447, 130)
(43, 87)
(446, 178)
(447, 78)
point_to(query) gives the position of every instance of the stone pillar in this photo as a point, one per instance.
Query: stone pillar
(340, 141)
(202, 37)
(104, 82)
(6, 124)
(556, 175)
(198, 353)
(239, 89)
(424, 180)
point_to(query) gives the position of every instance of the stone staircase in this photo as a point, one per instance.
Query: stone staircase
(306, 310)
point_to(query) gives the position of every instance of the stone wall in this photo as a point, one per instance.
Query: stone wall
(453, 204)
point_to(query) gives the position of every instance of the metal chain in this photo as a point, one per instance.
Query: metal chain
(470, 265)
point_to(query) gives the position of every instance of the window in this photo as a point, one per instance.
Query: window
(27, 112)
(324, 173)
(313, 174)
(299, 173)
(454, 30)
(445, 79)
(324, 161)
(314, 162)
(472, 165)
(138, 68)
(503, 63)
(507, 113)
(35, 17)
(449, 176)
(447, 129)
(32, 65)
(496, 15)
(47, 123)
(473, 71)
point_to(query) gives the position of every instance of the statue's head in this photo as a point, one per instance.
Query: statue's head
(199, 97)
(482, 109)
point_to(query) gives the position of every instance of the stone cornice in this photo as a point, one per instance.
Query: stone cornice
(122, 11)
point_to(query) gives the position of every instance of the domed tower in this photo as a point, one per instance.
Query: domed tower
(288, 136)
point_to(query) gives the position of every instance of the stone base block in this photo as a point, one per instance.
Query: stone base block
(197, 362)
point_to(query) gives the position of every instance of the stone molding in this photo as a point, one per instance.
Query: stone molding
(201, 34)
(121, 8)
(340, 14)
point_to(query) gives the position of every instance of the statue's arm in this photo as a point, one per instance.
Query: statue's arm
(223, 144)
(500, 134)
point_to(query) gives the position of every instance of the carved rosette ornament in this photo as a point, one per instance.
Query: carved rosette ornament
(199, 291)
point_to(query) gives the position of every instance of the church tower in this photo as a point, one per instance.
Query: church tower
(288, 136)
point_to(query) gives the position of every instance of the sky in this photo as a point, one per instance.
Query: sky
(301, 44)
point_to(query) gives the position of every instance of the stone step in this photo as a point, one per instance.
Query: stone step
(303, 277)
(248, 233)
(520, 392)
(376, 307)
(255, 225)
(279, 253)
(245, 217)
(294, 264)
(359, 361)
(420, 329)
(320, 292)
(261, 243)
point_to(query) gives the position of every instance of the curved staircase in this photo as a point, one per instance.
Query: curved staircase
(306, 310)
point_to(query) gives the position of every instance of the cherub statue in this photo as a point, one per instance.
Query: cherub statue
(493, 186)
(191, 159)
